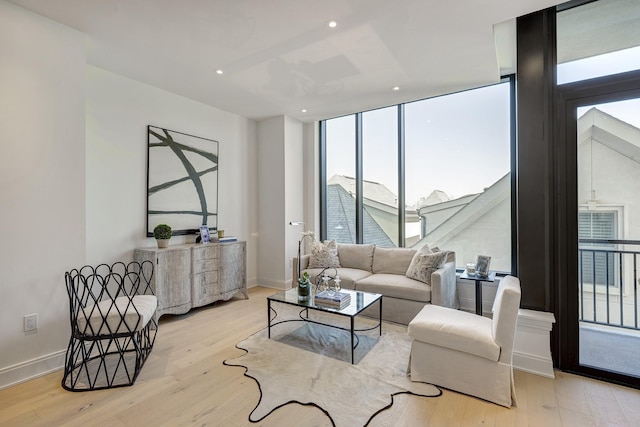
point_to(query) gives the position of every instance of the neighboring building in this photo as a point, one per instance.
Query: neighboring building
(380, 213)
(462, 224)
(609, 177)
(608, 208)
(435, 197)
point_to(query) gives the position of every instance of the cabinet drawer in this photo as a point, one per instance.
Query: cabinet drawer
(205, 265)
(206, 252)
(206, 279)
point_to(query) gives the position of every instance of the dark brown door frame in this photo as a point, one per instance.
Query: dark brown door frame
(569, 97)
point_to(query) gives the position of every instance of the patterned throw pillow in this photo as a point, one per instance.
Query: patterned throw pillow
(424, 263)
(324, 255)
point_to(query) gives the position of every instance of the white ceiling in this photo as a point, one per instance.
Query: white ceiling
(279, 56)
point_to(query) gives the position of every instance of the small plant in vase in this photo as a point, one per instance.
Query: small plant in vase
(304, 287)
(162, 233)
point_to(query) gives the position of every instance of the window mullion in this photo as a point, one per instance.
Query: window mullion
(359, 184)
(401, 184)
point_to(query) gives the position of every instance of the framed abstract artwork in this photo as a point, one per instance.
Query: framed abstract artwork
(182, 181)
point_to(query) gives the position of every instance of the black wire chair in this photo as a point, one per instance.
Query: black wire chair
(112, 325)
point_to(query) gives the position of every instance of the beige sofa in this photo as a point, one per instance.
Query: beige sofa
(381, 270)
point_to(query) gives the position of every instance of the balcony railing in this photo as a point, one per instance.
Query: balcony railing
(608, 282)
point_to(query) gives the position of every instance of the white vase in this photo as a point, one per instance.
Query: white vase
(163, 243)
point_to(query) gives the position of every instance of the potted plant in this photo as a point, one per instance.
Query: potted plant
(304, 287)
(162, 233)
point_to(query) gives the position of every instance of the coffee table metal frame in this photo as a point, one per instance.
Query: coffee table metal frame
(359, 302)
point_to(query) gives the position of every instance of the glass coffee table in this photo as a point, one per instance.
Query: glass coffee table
(359, 302)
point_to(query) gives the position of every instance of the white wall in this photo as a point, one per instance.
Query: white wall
(281, 198)
(70, 199)
(42, 186)
(271, 202)
(118, 112)
(294, 192)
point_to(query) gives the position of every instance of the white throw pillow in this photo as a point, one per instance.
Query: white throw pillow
(424, 263)
(324, 255)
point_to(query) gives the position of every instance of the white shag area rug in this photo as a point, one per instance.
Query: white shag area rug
(310, 364)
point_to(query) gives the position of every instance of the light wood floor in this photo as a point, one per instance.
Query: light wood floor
(185, 383)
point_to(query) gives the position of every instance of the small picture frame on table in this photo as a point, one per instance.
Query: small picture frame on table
(482, 265)
(204, 234)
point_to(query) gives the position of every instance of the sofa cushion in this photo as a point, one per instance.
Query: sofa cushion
(424, 263)
(451, 256)
(392, 260)
(356, 256)
(454, 329)
(396, 286)
(348, 276)
(324, 255)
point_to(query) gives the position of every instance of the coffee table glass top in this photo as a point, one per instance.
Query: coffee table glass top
(359, 301)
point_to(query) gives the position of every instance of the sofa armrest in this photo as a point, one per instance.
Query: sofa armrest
(444, 291)
(304, 263)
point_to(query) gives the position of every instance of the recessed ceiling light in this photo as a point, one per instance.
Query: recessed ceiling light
(218, 71)
(396, 88)
(332, 24)
(303, 110)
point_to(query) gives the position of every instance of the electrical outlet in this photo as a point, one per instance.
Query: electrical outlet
(30, 322)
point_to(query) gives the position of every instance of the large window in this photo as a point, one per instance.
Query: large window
(433, 172)
(597, 39)
(380, 176)
(457, 173)
(340, 185)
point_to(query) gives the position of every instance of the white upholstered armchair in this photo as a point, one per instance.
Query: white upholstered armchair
(466, 352)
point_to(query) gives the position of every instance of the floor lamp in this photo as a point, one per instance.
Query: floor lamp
(305, 235)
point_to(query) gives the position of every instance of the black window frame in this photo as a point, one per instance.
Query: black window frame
(510, 79)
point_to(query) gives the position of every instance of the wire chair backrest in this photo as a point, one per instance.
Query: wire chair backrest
(89, 286)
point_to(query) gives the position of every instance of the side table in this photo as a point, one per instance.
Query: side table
(491, 277)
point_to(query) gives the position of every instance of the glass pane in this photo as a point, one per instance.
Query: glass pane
(608, 138)
(380, 176)
(598, 39)
(458, 173)
(341, 172)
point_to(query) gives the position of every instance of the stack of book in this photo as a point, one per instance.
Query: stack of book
(227, 239)
(337, 300)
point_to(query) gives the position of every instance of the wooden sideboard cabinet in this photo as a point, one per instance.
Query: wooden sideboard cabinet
(205, 265)
(193, 275)
(233, 269)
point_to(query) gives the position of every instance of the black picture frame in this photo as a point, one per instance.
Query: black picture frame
(482, 265)
(182, 181)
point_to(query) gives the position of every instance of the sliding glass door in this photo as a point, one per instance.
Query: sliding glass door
(608, 208)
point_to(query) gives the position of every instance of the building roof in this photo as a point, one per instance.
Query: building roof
(610, 131)
(434, 198)
(595, 124)
(373, 191)
(341, 219)
(474, 207)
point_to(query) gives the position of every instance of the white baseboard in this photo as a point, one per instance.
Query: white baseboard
(252, 282)
(533, 364)
(532, 347)
(31, 369)
(275, 284)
